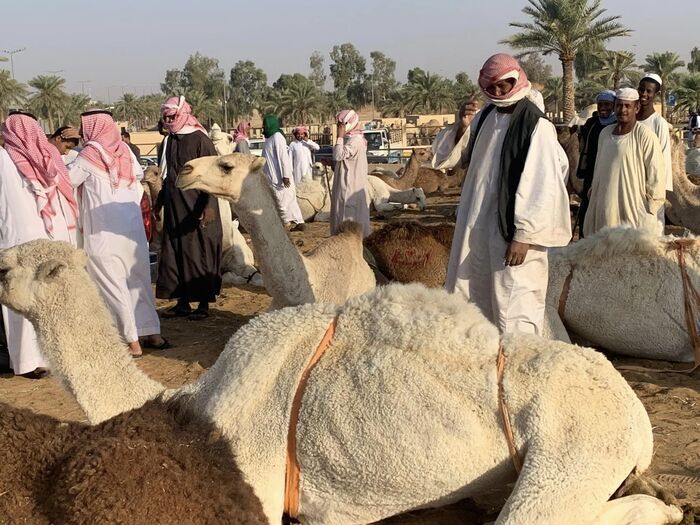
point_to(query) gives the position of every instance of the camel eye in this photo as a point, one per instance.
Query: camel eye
(3, 273)
(226, 167)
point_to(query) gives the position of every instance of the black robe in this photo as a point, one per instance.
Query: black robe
(189, 266)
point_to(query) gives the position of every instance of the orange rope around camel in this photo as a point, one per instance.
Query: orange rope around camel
(291, 478)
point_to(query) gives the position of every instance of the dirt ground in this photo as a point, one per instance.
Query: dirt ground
(672, 399)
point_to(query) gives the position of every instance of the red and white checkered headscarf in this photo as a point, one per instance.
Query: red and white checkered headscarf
(301, 129)
(40, 163)
(242, 131)
(185, 122)
(351, 120)
(502, 66)
(105, 149)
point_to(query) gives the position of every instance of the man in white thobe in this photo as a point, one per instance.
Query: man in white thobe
(300, 149)
(629, 179)
(113, 234)
(349, 200)
(36, 202)
(514, 203)
(278, 168)
(649, 88)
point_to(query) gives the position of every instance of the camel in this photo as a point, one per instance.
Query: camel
(149, 465)
(333, 272)
(313, 198)
(387, 200)
(568, 140)
(410, 252)
(403, 361)
(625, 293)
(683, 204)
(416, 175)
(237, 262)
(618, 276)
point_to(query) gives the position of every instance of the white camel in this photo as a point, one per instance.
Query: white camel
(238, 262)
(683, 204)
(332, 272)
(621, 289)
(386, 199)
(400, 413)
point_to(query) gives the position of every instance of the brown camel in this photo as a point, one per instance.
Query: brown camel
(568, 139)
(410, 252)
(418, 176)
(152, 465)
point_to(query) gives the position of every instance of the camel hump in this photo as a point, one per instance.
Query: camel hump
(351, 227)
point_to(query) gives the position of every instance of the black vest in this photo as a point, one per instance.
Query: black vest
(516, 145)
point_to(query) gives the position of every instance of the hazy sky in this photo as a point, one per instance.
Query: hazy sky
(127, 45)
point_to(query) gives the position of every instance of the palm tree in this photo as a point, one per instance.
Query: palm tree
(300, 102)
(49, 100)
(129, 108)
(553, 93)
(688, 92)
(663, 64)
(429, 93)
(397, 104)
(76, 104)
(13, 94)
(563, 27)
(617, 67)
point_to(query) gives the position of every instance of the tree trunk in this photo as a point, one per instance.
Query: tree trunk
(567, 65)
(663, 101)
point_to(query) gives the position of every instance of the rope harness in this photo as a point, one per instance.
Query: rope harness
(691, 306)
(292, 472)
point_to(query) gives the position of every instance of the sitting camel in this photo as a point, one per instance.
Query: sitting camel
(150, 465)
(621, 289)
(683, 204)
(386, 199)
(617, 277)
(332, 272)
(410, 252)
(401, 361)
(416, 175)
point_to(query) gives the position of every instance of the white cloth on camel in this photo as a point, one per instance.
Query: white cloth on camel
(20, 222)
(115, 241)
(628, 181)
(512, 297)
(349, 195)
(278, 165)
(302, 162)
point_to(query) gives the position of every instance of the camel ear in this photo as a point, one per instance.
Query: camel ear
(49, 270)
(257, 164)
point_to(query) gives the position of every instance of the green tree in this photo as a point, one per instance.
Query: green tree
(248, 84)
(616, 68)
(586, 92)
(462, 88)
(129, 107)
(348, 66)
(300, 103)
(553, 94)
(688, 92)
(335, 101)
(13, 94)
(202, 73)
(206, 109)
(317, 76)
(382, 76)
(694, 63)
(429, 93)
(174, 83)
(562, 27)
(397, 104)
(536, 69)
(76, 103)
(49, 100)
(664, 65)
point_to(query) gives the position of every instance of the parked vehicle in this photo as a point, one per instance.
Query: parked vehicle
(256, 146)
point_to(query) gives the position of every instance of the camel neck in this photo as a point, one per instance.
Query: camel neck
(281, 264)
(85, 352)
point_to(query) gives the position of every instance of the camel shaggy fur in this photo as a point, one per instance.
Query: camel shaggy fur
(683, 204)
(404, 361)
(625, 293)
(410, 252)
(332, 272)
(142, 466)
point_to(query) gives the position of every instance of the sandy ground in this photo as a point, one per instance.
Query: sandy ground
(672, 400)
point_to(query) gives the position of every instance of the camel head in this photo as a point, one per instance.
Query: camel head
(40, 275)
(221, 176)
(420, 198)
(423, 154)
